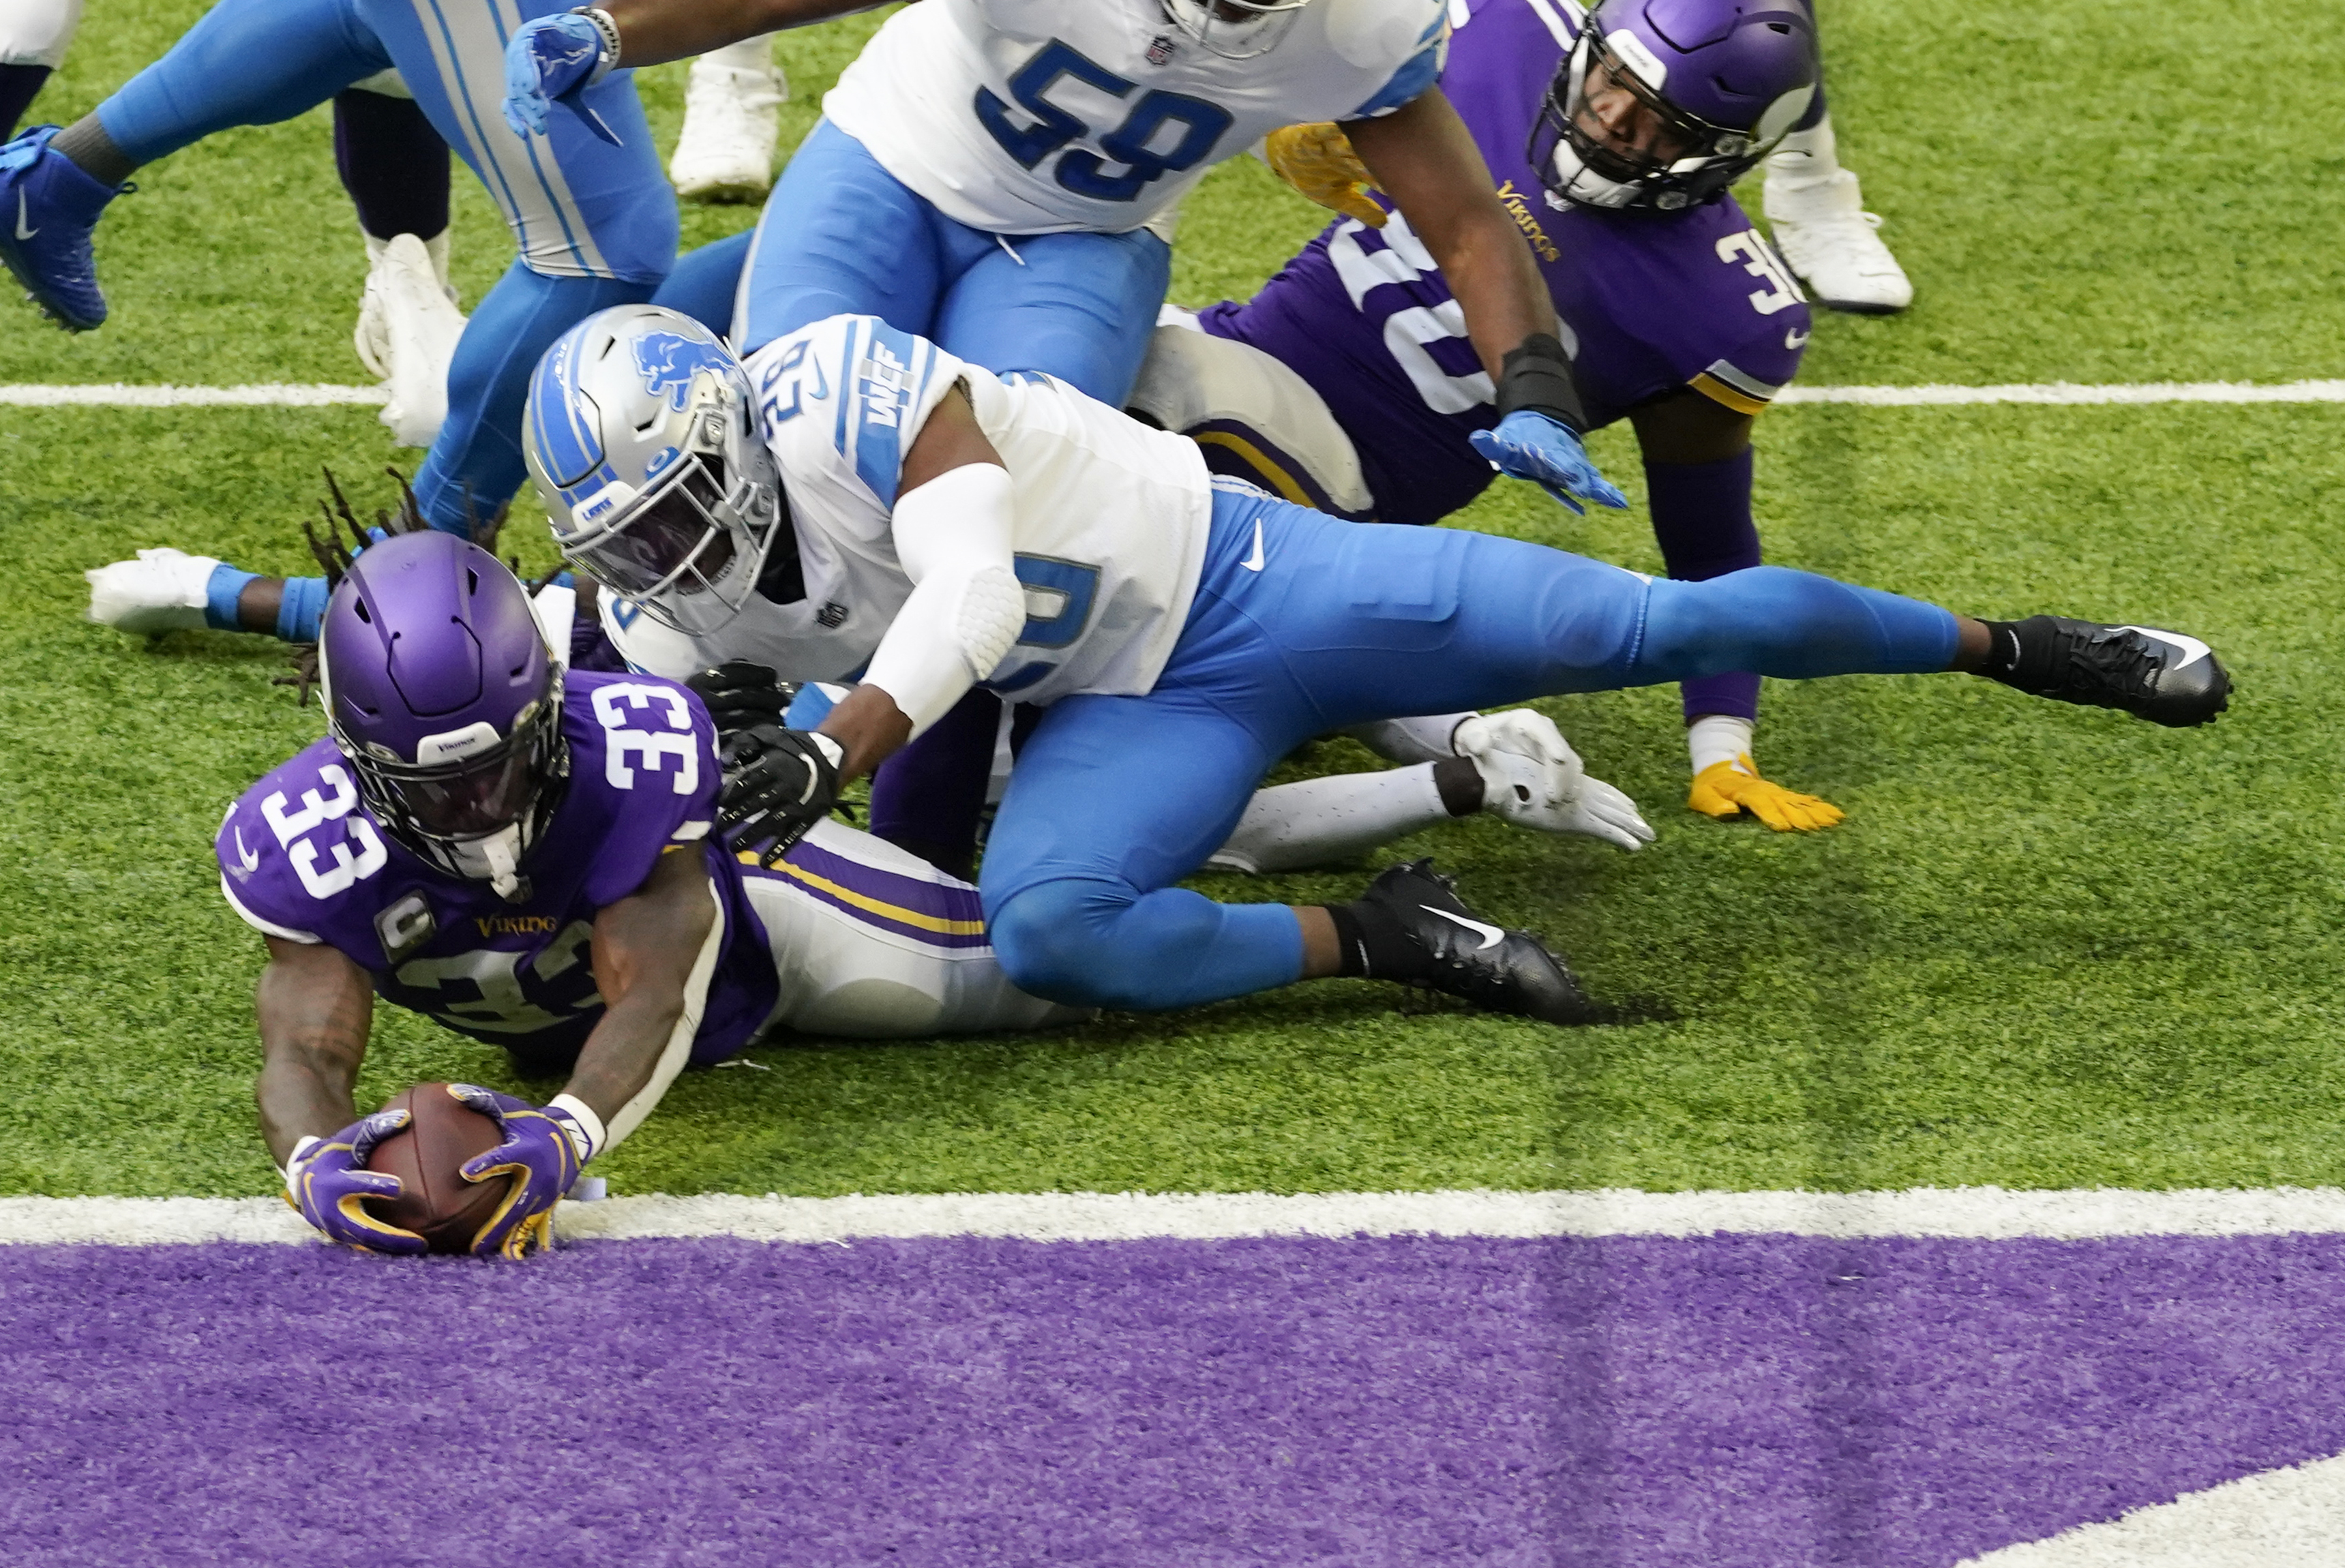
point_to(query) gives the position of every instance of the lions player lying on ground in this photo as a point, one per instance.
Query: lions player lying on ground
(1345, 383)
(526, 854)
(854, 505)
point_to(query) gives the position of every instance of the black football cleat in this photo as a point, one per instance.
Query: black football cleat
(1498, 971)
(2164, 677)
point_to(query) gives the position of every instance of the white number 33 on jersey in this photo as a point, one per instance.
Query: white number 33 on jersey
(625, 704)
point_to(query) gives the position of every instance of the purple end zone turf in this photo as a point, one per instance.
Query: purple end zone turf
(1731, 1401)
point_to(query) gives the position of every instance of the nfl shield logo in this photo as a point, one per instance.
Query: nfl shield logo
(1159, 48)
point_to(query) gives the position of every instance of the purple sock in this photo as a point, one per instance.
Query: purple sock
(927, 797)
(392, 163)
(19, 84)
(1702, 517)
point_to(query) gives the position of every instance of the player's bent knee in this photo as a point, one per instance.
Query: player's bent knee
(1061, 941)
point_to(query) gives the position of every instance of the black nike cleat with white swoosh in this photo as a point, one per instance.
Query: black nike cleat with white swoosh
(2166, 677)
(1465, 956)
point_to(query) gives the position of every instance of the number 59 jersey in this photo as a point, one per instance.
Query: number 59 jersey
(1041, 116)
(300, 858)
(1109, 518)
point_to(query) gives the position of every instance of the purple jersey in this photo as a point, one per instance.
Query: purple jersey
(301, 858)
(1654, 300)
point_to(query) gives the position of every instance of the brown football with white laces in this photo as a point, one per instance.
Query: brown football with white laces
(434, 1201)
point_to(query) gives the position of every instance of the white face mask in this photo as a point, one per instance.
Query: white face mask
(1575, 180)
(494, 858)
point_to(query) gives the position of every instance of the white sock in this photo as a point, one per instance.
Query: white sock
(436, 248)
(749, 54)
(1715, 738)
(1319, 821)
(1806, 157)
(1420, 740)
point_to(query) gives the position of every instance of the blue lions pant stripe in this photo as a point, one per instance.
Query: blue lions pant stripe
(1116, 798)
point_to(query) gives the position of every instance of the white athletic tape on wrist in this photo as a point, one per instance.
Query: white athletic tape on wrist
(1717, 738)
(590, 1126)
(308, 1142)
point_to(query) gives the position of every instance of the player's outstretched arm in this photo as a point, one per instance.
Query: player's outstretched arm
(654, 954)
(314, 1007)
(552, 60)
(1423, 156)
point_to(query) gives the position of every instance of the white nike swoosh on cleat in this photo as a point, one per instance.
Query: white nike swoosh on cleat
(1254, 563)
(2192, 649)
(1491, 936)
(22, 232)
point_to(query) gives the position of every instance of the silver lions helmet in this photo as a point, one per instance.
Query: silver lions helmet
(641, 437)
(1235, 29)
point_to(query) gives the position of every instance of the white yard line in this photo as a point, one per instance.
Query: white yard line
(120, 395)
(2293, 1517)
(1980, 1213)
(2072, 394)
(2061, 393)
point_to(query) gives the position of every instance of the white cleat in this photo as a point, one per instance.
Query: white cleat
(731, 115)
(420, 325)
(1823, 232)
(371, 337)
(163, 590)
(1531, 777)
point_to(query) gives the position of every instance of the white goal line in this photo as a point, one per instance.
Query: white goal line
(1972, 1213)
(278, 395)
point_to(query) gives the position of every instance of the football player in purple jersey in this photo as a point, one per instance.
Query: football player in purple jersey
(528, 855)
(1344, 384)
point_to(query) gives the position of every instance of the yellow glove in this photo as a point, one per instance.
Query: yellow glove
(1730, 788)
(1318, 161)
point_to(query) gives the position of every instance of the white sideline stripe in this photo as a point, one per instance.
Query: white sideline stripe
(120, 395)
(2069, 393)
(2073, 393)
(1980, 1213)
(2293, 1517)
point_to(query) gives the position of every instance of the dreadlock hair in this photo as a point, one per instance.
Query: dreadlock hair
(334, 557)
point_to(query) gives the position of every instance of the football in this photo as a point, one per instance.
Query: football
(434, 1201)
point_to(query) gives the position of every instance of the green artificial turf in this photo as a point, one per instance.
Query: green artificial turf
(2051, 948)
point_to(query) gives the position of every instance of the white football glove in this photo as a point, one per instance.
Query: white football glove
(162, 590)
(1532, 778)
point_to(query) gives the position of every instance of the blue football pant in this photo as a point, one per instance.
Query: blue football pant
(595, 223)
(841, 235)
(1114, 799)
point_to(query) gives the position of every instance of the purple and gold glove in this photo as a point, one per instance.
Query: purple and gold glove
(554, 59)
(544, 1150)
(327, 1179)
(1537, 446)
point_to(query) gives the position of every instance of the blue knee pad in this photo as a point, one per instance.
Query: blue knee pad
(1793, 626)
(476, 464)
(1091, 944)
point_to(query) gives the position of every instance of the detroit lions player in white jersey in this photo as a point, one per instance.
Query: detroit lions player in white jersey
(993, 174)
(925, 526)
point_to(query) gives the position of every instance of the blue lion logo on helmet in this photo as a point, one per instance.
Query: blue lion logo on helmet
(669, 360)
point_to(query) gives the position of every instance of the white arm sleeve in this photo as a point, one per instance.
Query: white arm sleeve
(1318, 821)
(967, 609)
(679, 1050)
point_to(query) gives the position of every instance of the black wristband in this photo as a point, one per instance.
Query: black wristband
(1537, 376)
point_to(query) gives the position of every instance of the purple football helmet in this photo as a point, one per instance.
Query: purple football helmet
(438, 688)
(1663, 104)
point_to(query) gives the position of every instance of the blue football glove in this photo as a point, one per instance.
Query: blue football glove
(553, 59)
(328, 1181)
(1530, 445)
(544, 1148)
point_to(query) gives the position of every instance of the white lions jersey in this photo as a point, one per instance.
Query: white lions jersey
(1038, 116)
(1108, 523)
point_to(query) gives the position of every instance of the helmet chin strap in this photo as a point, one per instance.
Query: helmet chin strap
(1580, 183)
(496, 860)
